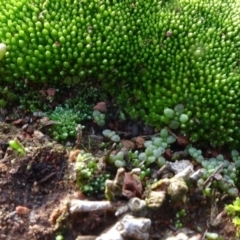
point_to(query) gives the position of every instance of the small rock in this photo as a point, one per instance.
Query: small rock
(180, 166)
(167, 154)
(101, 107)
(186, 234)
(38, 114)
(182, 141)
(180, 236)
(177, 189)
(25, 126)
(44, 120)
(132, 186)
(155, 199)
(3, 168)
(129, 145)
(86, 237)
(38, 134)
(35, 188)
(139, 141)
(21, 210)
(51, 91)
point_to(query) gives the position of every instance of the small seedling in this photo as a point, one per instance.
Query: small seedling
(17, 146)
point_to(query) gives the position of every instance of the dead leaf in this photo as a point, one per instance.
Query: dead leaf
(73, 155)
(220, 219)
(20, 121)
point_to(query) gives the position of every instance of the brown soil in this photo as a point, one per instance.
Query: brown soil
(33, 187)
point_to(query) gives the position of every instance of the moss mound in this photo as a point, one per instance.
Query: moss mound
(159, 53)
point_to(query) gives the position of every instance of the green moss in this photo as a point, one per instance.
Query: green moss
(8, 97)
(75, 110)
(88, 178)
(84, 100)
(150, 55)
(66, 121)
(3, 103)
(234, 211)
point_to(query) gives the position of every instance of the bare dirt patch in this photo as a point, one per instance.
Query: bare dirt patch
(33, 187)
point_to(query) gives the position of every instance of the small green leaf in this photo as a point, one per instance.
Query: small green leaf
(169, 112)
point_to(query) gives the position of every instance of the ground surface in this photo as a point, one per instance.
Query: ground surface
(33, 186)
